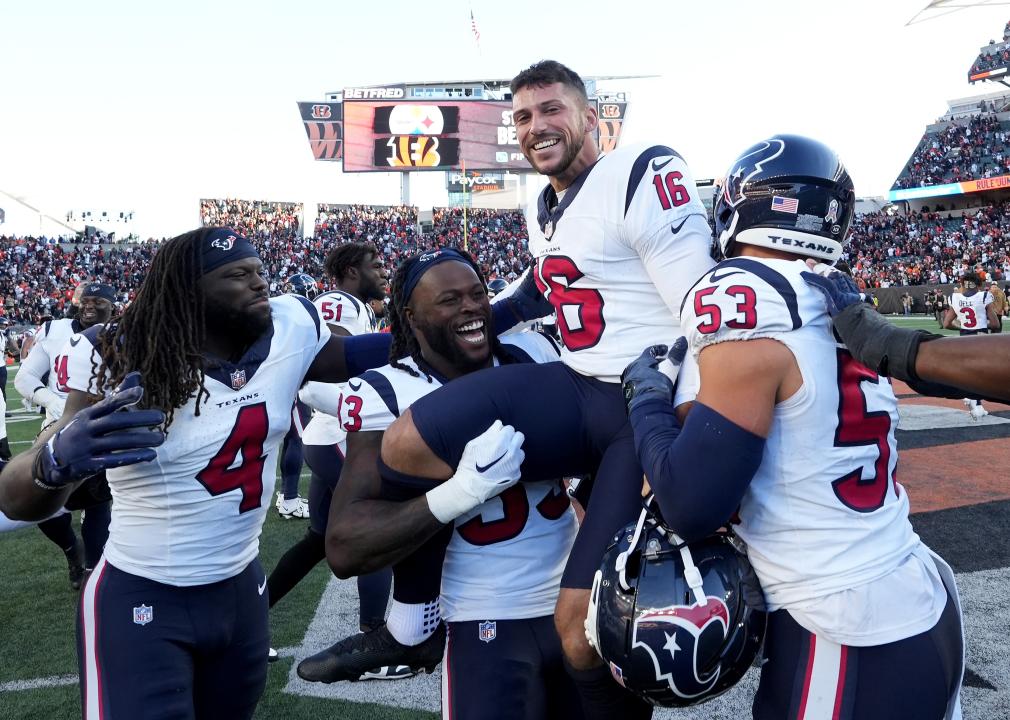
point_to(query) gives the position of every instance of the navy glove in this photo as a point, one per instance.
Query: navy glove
(100, 437)
(838, 289)
(642, 379)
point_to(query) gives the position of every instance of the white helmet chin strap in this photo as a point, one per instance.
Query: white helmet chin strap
(691, 573)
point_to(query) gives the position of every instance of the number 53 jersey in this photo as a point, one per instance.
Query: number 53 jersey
(824, 519)
(193, 515)
(615, 254)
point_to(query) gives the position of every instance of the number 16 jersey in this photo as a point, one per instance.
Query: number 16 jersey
(615, 254)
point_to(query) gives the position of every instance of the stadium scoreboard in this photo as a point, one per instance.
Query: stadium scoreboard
(424, 127)
(430, 135)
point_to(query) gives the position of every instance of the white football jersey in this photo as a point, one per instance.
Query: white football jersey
(356, 316)
(971, 309)
(506, 556)
(824, 516)
(45, 365)
(193, 515)
(616, 255)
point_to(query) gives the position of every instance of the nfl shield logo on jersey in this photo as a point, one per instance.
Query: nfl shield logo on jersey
(237, 379)
(487, 630)
(143, 614)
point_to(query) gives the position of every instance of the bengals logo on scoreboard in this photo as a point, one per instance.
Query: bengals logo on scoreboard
(610, 110)
(321, 112)
(413, 151)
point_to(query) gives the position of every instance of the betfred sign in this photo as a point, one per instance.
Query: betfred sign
(396, 92)
(457, 182)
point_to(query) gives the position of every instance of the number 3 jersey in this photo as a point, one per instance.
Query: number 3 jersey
(506, 556)
(193, 515)
(825, 521)
(971, 310)
(615, 254)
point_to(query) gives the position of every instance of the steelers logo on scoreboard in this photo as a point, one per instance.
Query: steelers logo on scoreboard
(416, 120)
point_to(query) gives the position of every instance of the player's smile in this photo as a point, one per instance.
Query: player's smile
(473, 333)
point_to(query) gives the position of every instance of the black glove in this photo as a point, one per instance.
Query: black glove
(99, 437)
(5, 449)
(642, 379)
(875, 342)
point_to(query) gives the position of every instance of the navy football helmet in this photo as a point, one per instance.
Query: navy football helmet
(677, 623)
(787, 193)
(496, 286)
(302, 284)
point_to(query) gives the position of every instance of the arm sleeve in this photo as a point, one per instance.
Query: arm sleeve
(698, 483)
(28, 380)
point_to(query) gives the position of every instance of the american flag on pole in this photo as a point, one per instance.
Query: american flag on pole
(786, 205)
(473, 26)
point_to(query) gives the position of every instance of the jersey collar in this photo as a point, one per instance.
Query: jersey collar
(238, 375)
(549, 210)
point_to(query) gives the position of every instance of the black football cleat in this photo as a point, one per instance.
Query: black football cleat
(364, 655)
(75, 566)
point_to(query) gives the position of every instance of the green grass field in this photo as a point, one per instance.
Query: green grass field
(37, 615)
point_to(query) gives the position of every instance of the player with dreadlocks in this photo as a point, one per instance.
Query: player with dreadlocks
(191, 459)
(503, 572)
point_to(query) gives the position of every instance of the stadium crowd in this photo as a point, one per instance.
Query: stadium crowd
(885, 250)
(965, 149)
(37, 275)
(993, 56)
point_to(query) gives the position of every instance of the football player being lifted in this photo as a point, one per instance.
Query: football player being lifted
(797, 443)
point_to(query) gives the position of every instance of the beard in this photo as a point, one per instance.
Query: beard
(443, 341)
(244, 326)
(571, 152)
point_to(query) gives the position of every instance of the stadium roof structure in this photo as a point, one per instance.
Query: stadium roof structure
(939, 8)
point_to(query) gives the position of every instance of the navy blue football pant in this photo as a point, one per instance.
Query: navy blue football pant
(149, 651)
(326, 462)
(574, 425)
(292, 451)
(506, 670)
(806, 677)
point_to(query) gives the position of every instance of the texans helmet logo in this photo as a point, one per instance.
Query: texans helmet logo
(675, 636)
(223, 243)
(750, 165)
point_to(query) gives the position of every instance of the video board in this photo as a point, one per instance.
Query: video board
(418, 135)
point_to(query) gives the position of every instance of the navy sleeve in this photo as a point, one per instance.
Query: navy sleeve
(364, 352)
(699, 473)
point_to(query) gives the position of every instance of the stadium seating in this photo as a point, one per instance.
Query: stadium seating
(964, 149)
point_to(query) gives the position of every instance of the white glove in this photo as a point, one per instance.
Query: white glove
(490, 465)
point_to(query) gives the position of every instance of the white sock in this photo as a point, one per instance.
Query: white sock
(413, 623)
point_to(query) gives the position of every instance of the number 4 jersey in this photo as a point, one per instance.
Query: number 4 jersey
(193, 515)
(615, 254)
(825, 521)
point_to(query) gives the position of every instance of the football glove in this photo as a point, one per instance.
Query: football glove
(489, 465)
(643, 380)
(838, 289)
(105, 435)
